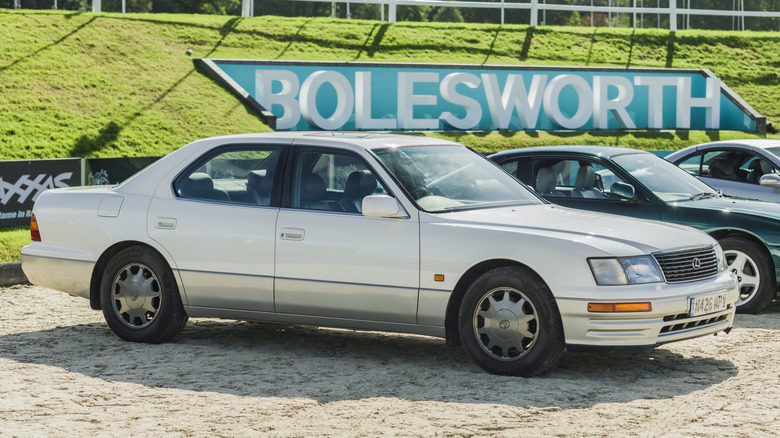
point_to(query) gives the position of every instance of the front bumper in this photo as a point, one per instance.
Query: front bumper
(668, 321)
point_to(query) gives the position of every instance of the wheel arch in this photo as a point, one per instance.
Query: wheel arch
(451, 332)
(720, 234)
(102, 262)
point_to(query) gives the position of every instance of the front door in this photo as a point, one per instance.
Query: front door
(333, 262)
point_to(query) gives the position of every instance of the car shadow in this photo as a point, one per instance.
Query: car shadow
(267, 360)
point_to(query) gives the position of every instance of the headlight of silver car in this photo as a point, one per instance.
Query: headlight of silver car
(625, 270)
(720, 257)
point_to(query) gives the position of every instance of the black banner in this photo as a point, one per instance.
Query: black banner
(21, 182)
(111, 171)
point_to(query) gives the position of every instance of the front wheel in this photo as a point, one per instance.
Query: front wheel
(139, 297)
(754, 270)
(509, 323)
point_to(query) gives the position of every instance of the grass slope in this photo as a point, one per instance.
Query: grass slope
(104, 85)
(107, 85)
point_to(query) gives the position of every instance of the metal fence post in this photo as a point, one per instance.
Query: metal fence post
(673, 15)
(534, 13)
(391, 11)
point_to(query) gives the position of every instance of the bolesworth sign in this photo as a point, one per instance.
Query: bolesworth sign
(297, 95)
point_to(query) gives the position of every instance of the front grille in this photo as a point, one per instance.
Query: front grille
(688, 265)
(683, 321)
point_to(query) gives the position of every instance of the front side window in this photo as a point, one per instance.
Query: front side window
(736, 165)
(692, 165)
(329, 180)
(577, 178)
(448, 178)
(237, 175)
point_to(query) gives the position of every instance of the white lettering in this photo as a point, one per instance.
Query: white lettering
(655, 97)
(501, 104)
(552, 97)
(450, 94)
(363, 118)
(711, 103)
(602, 105)
(344, 100)
(291, 112)
(24, 186)
(299, 99)
(407, 100)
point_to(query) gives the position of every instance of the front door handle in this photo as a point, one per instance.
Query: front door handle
(292, 233)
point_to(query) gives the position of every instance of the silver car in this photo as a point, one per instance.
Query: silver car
(374, 232)
(745, 168)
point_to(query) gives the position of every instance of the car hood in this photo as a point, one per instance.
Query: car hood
(735, 205)
(611, 234)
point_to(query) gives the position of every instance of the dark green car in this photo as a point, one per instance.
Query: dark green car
(636, 183)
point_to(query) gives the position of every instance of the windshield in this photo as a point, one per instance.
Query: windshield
(664, 179)
(448, 178)
(774, 151)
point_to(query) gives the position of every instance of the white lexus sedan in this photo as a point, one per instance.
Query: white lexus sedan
(374, 232)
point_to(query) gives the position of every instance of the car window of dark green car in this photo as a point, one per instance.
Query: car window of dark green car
(577, 178)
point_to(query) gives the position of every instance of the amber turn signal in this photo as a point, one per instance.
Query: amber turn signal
(619, 307)
(34, 233)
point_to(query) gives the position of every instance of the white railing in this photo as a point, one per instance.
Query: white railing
(534, 6)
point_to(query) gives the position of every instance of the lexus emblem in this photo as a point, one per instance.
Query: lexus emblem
(696, 263)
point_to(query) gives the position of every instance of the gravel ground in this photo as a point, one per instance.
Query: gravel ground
(63, 373)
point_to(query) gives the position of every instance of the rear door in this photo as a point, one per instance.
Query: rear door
(218, 223)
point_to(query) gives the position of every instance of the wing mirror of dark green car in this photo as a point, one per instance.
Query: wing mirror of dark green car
(623, 191)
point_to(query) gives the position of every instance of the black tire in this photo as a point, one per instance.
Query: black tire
(519, 332)
(755, 273)
(139, 297)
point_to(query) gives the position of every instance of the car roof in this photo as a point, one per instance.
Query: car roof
(761, 143)
(754, 144)
(359, 140)
(601, 151)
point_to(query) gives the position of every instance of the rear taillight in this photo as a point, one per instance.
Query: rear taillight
(35, 234)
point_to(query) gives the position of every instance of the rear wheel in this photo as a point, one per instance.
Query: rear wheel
(509, 323)
(754, 270)
(139, 297)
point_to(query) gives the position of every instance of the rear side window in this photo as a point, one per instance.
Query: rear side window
(236, 175)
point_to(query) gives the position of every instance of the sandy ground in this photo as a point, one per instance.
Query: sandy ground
(63, 373)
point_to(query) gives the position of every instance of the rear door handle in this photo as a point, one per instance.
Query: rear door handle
(165, 223)
(292, 233)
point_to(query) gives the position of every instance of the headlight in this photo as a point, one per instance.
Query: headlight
(720, 257)
(625, 270)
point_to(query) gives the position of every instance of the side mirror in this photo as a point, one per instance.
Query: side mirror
(770, 180)
(623, 190)
(382, 206)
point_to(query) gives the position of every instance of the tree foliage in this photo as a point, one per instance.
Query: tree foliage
(289, 8)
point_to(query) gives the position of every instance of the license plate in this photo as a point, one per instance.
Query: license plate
(708, 304)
